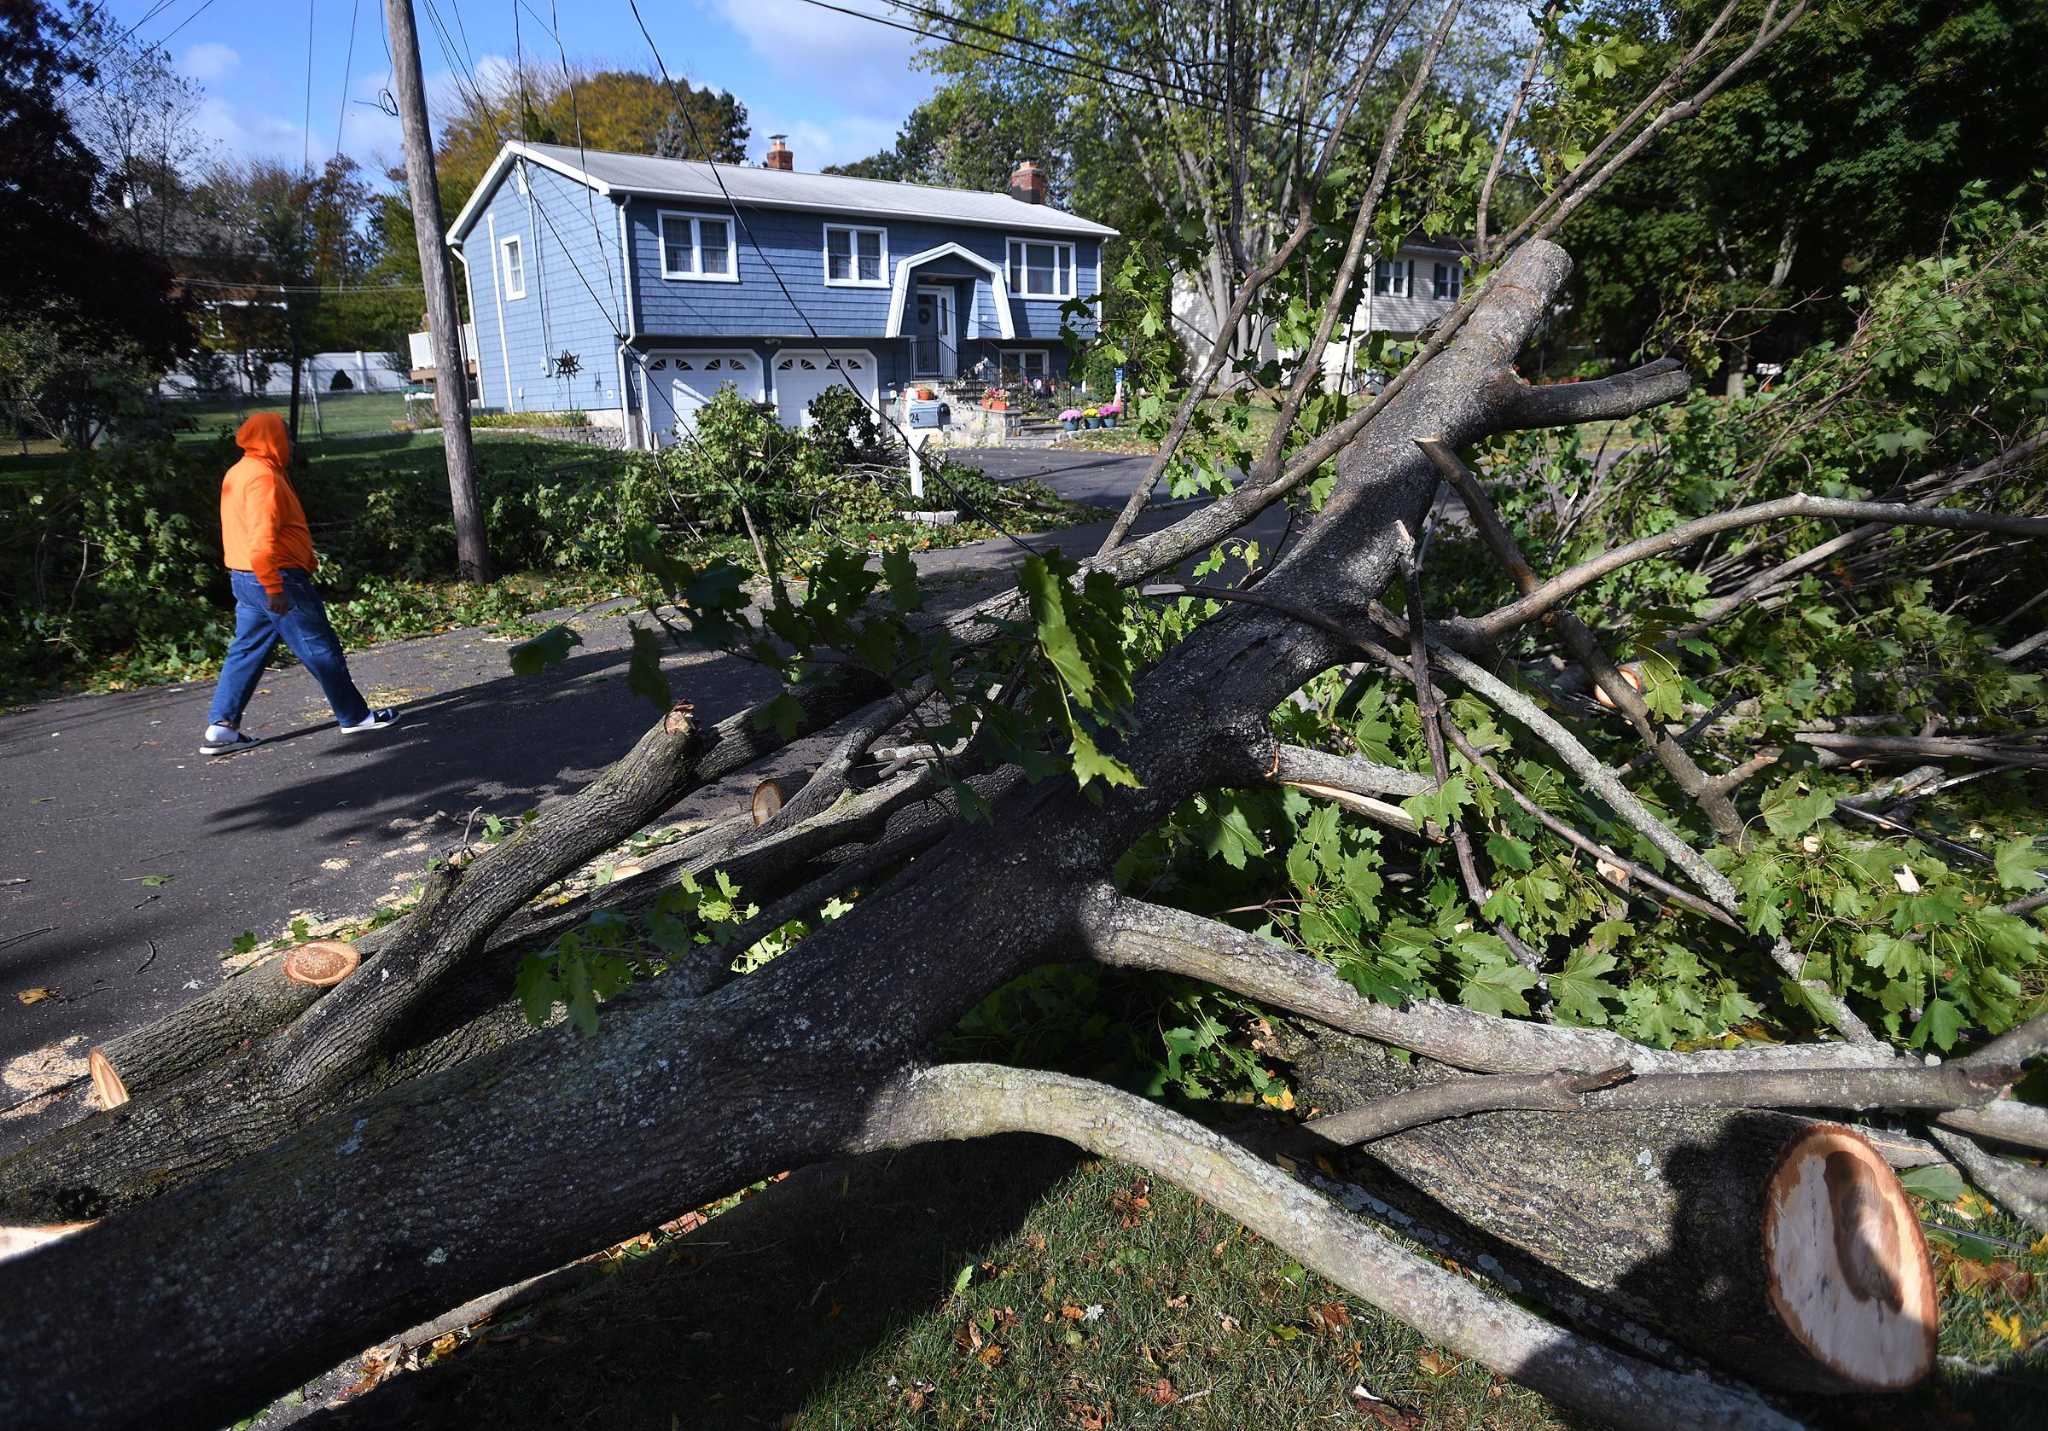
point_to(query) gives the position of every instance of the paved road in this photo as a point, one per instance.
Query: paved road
(129, 863)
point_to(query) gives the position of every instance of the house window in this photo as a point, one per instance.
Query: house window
(856, 257)
(698, 247)
(1041, 270)
(1025, 365)
(1450, 280)
(513, 255)
(1390, 279)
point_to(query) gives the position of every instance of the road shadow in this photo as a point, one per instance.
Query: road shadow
(736, 1324)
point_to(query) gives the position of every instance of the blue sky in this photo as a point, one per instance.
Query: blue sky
(839, 87)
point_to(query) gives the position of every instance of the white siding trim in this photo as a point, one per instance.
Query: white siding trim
(498, 302)
(698, 219)
(999, 286)
(881, 278)
(1073, 288)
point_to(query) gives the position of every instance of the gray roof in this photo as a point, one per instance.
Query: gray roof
(836, 193)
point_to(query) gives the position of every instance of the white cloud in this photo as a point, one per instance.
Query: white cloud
(855, 60)
(840, 141)
(209, 61)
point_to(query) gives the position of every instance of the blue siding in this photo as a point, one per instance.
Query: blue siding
(575, 294)
(793, 244)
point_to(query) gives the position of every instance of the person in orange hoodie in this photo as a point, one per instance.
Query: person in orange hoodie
(270, 559)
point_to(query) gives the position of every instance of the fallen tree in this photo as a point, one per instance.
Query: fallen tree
(292, 1167)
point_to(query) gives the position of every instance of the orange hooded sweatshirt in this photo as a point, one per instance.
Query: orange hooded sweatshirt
(262, 525)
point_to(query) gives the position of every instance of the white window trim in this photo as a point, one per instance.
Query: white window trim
(506, 247)
(732, 248)
(881, 278)
(1399, 271)
(1454, 289)
(1073, 268)
(1044, 355)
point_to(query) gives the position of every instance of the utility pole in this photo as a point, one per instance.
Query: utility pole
(451, 372)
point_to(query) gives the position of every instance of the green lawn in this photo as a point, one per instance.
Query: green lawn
(341, 415)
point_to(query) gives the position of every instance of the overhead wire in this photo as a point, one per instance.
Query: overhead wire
(348, 64)
(306, 124)
(740, 220)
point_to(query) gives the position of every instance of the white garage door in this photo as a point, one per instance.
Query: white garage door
(678, 383)
(801, 375)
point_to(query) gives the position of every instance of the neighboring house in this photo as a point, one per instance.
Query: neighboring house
(1403, 295)
(633, 287)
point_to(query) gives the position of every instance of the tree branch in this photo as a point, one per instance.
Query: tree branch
(978, 1100)
(1524, 609)
(1612, 1089)
(1623, 395)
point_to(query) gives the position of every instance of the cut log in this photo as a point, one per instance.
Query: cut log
(1666, 1214)
(321, 963)
(16, 1241)
(767, 801)
(1846, 1262)
(105, 1082)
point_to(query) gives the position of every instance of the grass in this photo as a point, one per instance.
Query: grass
(1003, 1284)
(341, 415)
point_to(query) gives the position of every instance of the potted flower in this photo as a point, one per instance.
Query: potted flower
(996, 400)
(924, 394)
(1091, 416)
(1111, 411)
(1071, 418)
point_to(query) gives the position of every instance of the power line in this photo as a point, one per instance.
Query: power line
(347, 65)
(306, 124)
(1194, 99)
(740, 219)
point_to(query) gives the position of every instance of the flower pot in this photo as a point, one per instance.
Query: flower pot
(924, 394)
(1070, 423)
(997, 405)
(1093, 422)
(1109, 422)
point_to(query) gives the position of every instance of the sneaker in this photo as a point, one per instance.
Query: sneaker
(375, 720)
(225, 740)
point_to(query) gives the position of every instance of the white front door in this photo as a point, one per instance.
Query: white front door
(937, 346)
(801, 374)
(681, 382)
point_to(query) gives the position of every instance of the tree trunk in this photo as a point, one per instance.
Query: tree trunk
(1661, 1213)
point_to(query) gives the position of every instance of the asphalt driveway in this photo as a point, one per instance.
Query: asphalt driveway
(129, 863)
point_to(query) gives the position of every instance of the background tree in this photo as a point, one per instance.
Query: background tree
(86, 307)
(1841, 152)
(137, 115)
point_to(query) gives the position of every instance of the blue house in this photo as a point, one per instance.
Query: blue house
(633, 287)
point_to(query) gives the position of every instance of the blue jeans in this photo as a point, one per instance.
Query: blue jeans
(304, 629)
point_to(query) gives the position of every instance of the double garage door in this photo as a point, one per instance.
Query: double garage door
(681, 382)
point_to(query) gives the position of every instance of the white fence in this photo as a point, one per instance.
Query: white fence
(331, 372)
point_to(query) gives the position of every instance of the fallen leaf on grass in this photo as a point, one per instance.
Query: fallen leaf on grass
(1435, 1364)
(2002, 1276)
(2010, 1329)
(36, 996)
(1159, 1393)
(1330, 1317)
(1179, 1303)
(1071, 1312)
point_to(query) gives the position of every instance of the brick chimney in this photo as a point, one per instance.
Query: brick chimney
(1028, 183)
(780, 156)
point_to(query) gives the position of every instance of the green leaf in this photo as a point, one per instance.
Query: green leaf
(1498, 989)
(1048, 595)
(900, 572)
(155, 881)
(644, 676)
(1580, 989)
(1942, 1022)
(551, 647)
(1789, 813)
(1509, 851)
(963, 1277)
(782, 714)
(1090, 763)
(1937, 1182)
(2019, 865)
